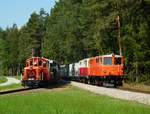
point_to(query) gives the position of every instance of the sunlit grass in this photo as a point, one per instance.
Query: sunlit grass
(67, 101)
(10, 87)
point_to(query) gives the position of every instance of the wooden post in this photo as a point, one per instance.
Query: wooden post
(119, 40)
(32, 52)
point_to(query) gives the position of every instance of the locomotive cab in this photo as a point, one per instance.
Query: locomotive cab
(36, 72)
(112, 65)
(113, 69)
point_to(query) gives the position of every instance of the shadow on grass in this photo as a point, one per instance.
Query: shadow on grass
(59, 84)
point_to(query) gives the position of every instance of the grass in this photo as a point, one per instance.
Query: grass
(10, 87)
(3, 79)
(67, 101)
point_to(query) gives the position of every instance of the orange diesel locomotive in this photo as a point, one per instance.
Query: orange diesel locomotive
(39, 72)
(106, 69)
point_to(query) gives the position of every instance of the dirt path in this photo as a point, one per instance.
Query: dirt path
(10, 81)
(116, 93)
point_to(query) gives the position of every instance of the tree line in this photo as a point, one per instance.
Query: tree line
(76, 29)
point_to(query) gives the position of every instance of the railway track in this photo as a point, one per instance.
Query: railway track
(119, 88)
(15, 91)
(58, 85)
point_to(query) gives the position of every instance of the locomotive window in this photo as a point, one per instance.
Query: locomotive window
(97, 60)
(27, 64)
(31, 63)
(53, 64)
(118, 61)
(107, 61)
(40, 63)
(44, 64)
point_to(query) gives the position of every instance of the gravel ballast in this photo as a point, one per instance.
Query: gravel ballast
(116, 93)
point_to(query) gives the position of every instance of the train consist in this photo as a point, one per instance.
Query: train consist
(102, 70)
(40, 72)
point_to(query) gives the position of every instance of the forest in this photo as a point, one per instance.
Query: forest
(77, 29)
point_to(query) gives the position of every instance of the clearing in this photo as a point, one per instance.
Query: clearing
(67, 100)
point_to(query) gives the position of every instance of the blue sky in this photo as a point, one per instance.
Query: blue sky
(19, 11)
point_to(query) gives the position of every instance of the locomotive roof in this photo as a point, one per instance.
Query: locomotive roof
(110, 55)
(36, 58)
(85, 59)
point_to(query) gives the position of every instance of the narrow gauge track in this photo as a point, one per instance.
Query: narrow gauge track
(15, 91)
(58, 85)
(119, 88)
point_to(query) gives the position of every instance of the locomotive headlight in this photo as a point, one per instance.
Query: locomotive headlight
(30, 78)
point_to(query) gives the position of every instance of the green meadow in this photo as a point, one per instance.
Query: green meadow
(67, 101)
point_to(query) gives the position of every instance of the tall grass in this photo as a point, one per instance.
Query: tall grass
(68, 101)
